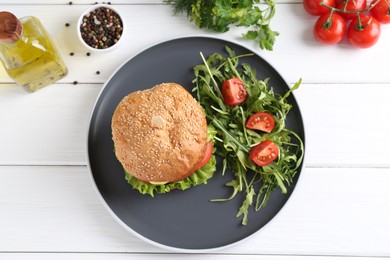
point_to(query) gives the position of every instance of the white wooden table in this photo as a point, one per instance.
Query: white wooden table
(49, 208)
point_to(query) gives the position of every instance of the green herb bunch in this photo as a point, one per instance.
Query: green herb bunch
(219, 15)
(233, 140)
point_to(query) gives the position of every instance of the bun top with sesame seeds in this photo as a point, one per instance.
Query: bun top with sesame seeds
(160, 134)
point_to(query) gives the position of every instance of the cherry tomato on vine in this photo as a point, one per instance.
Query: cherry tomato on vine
(381, 11)
(264, 153)
(364, 34)
(233, 91)
(351, 5)
(330, 28)
(314, 7)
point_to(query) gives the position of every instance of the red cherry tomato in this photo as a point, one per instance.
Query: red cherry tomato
(351, 5)
(381, 11)
(261, 121)
(314, 7)
(330, 28)
(233, 91)
(264, 153)
(207, 155)
(366, 34)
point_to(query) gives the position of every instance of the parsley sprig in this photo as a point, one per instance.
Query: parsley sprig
(219, 15)
(233, 140)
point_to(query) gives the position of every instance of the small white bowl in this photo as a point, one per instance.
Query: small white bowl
(80, 23)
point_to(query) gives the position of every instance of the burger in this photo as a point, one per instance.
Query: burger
(162, 140)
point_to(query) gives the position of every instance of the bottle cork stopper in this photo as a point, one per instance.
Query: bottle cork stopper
(10, 28)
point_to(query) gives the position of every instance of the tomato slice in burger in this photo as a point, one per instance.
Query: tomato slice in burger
(233, 91)
(264, 153)
(261, 121)
(207, 155)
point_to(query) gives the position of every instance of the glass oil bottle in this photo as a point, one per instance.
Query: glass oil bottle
(27, 52)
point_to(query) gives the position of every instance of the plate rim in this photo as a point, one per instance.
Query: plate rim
(119, 220)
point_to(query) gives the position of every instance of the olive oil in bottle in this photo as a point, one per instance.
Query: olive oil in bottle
(28, 53)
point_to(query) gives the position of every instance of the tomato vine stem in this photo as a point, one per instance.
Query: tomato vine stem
(388, 6)
(357, 12)
(359, 26)
(328, 22)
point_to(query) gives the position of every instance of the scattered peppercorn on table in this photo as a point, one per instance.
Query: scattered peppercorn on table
(51, 209)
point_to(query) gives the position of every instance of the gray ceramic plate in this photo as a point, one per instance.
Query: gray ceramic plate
(180, 220)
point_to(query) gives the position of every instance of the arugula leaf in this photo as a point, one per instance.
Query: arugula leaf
(245, 205)
(233, 141)
(220, 15)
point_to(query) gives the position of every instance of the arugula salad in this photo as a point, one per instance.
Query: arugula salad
(247, 121)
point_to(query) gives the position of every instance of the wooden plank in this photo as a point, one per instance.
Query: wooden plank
(114, 256)
(114, 2)
(62, 213)
(338, 211)
(81, 2)
(46, 127)
(345, 124)
(38, 129)
(150, 24)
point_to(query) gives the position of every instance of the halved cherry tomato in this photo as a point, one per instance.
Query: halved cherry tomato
(261, 121)
(314, 7)
(351, 5)
(381, 11)
(233, 91)
(207, 155)
(264, 153)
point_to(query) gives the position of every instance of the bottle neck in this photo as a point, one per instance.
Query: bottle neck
(10, 28)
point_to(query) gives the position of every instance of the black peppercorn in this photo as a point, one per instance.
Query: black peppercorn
(97, 72)
(71, 54)
(88, 54)
(101, 28)
(67, 24)
(75, 82)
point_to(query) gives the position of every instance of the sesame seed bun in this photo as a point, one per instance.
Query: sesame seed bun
(160, 134)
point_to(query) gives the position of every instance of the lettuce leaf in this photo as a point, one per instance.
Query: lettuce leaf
(198, 177)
